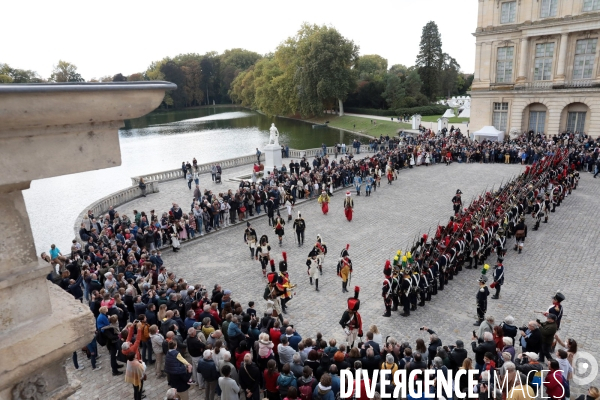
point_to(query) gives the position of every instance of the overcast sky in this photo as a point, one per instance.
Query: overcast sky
(107, 37)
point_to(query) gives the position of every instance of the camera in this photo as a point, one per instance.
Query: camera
(523, 328)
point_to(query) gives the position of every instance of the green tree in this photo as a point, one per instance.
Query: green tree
(430, 59)
(154, 73)
(394, 91)
(138, 76)
(65, 72)
(232, 63)
(16, 75)
(173, 73)
(371, 66)
(449, 76)
(324, 68)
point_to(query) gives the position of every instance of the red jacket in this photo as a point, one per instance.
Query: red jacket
(271, 381)
(554, 385)
(134, 348)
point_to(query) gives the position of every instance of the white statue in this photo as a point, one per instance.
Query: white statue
(274, 137)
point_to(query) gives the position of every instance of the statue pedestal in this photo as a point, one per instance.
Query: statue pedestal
(65, 128)
(273, 157)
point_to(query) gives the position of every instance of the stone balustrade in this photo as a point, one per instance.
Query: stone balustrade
(173, 174)
(126, 195)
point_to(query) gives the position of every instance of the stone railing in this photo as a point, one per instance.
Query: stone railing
(173, 174)
(101, 207)
(133, 192)
(319, 151)
(584, 83)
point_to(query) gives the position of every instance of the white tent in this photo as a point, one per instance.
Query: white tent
(449, 113)
(465, 113)
(488, 133)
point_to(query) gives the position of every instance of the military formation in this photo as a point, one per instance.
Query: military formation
(473, 233)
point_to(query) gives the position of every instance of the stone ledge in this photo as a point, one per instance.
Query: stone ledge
(41, 344)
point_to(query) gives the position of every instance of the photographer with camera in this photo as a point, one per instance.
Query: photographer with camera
(434, 343)
(531, 337)
(457, 355)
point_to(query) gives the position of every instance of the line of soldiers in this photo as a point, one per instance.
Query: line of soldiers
(474, 232)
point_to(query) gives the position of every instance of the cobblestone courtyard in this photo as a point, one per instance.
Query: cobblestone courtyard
(563, 255)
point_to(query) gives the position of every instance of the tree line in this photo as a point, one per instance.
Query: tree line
(315, 70)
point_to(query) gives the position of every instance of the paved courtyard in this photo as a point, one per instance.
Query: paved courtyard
(563, 255)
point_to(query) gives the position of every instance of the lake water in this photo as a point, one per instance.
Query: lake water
(159, 142)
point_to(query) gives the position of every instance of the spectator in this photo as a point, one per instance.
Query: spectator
(229, 387)
(210, 374)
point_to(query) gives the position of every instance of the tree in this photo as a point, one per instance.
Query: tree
(106, 78)
(16, 75)
(119, 78)
(371, 66)
(138, 76)
(394, 91)
(173, 73)
(430, 59)
(232, 63)
(65, 72)
(449, 75)
(325, 60)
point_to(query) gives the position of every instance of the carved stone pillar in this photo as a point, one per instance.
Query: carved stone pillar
(49, 130)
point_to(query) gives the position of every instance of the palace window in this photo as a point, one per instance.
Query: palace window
(504, 64)
(549, 8)
(544, 53)
(509, 12)
(537, 121)
(576, 121)
(585, 52)
(500, 116)
(591, 5)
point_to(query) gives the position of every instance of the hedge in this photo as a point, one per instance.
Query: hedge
(423, 110)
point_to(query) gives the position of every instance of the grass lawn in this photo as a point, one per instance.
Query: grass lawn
(453, 120)
(362, 125)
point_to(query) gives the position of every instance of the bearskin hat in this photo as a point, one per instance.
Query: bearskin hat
(283, 264)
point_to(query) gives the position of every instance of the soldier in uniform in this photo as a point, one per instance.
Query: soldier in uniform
(273, 295)
(500, 244)
(457, 202)
(482, 295)
(395, 282)
(344, 256)
(414, 290)
(423, 287)
(405, 289)
(546, 206)
(322, 251)
(498, 278)
(279, 224)
(250, 239)
(351, 320)
(386, 289)
(556, 308)
(299, 226)
(262, 253)
(283, 283)
(520, 231)
(312, 263)
(345, 272)
(537, 212)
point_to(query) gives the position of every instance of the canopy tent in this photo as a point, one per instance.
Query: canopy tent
(465, 113)
(449, 113)
(488, 133)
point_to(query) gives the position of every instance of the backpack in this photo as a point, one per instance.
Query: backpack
(100, 338)
(305, 391)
